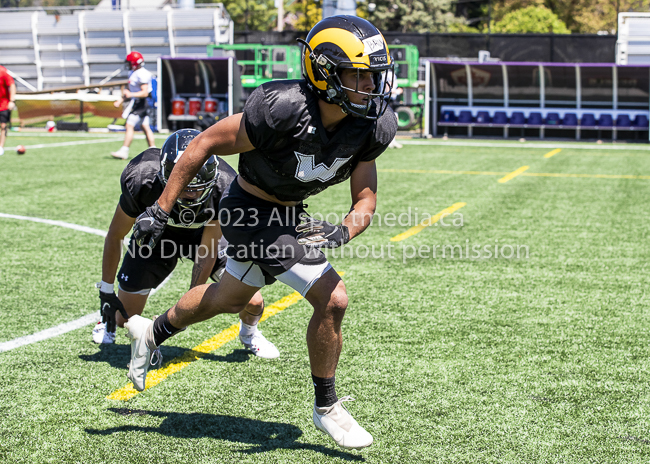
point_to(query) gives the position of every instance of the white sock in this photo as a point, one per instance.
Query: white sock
(2, 151)
(124, 148)
(246, 330)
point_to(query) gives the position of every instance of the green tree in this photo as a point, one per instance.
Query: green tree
(581, 16)
(261, 15)
(303, 14)
(537, 19)
(412, 15)
(252, 15)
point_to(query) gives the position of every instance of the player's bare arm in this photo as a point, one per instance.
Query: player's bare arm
(363, 188)
(109, 302)
(207, 254)
(12, 97)
(120, 226)
(226, 137)
(142, 93)
(117, 103)
(323, 234)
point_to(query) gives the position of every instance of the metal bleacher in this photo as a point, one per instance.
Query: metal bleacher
(50, 51)
(17, 51)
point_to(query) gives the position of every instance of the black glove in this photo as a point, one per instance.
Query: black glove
(110, 304)
(150, 225)
(321, 234)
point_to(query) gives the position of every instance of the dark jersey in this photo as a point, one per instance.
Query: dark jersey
(142, 186)
(294, 156)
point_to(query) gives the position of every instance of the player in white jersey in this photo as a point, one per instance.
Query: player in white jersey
(136, 110)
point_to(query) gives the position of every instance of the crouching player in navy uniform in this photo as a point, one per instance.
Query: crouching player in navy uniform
(193, 232)
(296, 138)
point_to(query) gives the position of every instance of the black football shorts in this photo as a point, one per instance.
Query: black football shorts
(262, 235)
(144, 268)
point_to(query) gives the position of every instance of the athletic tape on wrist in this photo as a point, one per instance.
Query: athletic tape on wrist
(105, 288)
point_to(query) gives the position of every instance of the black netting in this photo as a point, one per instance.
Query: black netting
(570, 48)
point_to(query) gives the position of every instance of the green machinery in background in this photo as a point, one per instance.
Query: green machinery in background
(408, 100)
(262, 63)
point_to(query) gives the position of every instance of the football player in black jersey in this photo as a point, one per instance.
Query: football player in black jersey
(296, 138)
(193, 232)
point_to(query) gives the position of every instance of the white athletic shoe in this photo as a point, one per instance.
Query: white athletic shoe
(2, 151)
(101, 335)
(394, 144)
(143, 350)
(337, 422)
(259, 345)
(122, 153)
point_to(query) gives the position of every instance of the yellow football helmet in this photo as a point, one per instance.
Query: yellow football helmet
(340, 42)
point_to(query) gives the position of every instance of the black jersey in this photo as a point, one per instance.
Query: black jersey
(294, 156)
(142, 186)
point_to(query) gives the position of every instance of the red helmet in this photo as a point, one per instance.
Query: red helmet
(134, 60)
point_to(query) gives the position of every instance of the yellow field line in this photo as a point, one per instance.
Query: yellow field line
(512, 175)
(551, 153)
(595, 176)
(427, 222)
(154, 377)
(535, 174)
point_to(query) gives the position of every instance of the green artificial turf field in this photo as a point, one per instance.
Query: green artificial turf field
(453, 354)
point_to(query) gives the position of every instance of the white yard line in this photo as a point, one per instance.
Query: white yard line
(67, 225)
(67, 326)
(61, 329)
(116, 135)
(66, 144)
(154, 290)
(50, 333)
(486, 144)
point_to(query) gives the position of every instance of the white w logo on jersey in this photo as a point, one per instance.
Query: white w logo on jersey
(307, 172)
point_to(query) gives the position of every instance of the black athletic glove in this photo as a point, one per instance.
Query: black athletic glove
(321, 234)
(110, 304)
(150, 225)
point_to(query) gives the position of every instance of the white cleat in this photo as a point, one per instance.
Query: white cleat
(394, 144)
(120, 154)
(259, 345)
(337, 422)
(143, 350)
(101, 335)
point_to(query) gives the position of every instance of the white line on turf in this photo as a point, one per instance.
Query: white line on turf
(68, 326)
(577, 146)
(65, 144)
(117, 135)
(51, 332)
(88, 230)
